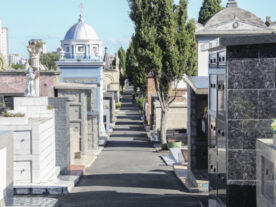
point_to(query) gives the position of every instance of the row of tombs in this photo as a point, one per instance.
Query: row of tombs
(230, 145)
(51, 135)
(47, 140)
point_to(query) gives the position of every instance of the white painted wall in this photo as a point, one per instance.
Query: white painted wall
(204, 43)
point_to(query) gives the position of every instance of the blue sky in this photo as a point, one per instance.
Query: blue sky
(50, 19)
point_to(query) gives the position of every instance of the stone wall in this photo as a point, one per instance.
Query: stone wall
(177, 116)
(251, 108)
(180, 97)
(93, 131)
(62, 128)
(6, 168)
(14, 82)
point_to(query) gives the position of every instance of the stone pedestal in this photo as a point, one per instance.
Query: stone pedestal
(34, 141)
(35, 170)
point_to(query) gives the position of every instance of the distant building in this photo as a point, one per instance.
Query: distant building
(14, 59)
(111, 75)
(4, 46)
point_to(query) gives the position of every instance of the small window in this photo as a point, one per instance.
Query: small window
(80, 49)
(223, 59)
(67, 49)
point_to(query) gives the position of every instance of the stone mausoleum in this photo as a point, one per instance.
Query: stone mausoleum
(82, 59)
(230, 21)
(241, 109)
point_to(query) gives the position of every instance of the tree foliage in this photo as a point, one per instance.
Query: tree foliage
(17, 66)
(136, 75)
(49, 60)
(122, 66)
(208, 9)
(165, 46)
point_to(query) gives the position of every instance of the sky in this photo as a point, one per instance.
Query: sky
(51, 19)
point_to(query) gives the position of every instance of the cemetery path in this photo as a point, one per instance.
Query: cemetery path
(129, 173)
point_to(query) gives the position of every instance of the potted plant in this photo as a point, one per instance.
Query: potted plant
(273, 127)
(172, 143)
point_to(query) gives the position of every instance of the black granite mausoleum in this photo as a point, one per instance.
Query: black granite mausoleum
(242, 104)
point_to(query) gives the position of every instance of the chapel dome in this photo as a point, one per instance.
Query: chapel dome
(81, 31)
(232, 12)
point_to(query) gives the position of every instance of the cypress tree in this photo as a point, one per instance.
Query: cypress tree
(122, 67)
(208, 9)
(166, 46)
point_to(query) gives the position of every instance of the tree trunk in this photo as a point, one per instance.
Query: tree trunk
(163, 128)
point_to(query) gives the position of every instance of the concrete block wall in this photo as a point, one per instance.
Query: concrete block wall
(93, 132)
(77, 114)
(6, 168)
(62, 130)
(34, 107)
(177, 116)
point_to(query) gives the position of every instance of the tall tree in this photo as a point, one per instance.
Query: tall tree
(122, 67)
(208, 9)
(136, 75)
(165, 42)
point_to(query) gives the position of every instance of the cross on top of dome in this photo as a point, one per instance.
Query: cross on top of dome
(81, 12)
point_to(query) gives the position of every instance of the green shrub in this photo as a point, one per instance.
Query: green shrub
(12, 115)
(17, 66)
(118, 105)
(141, 103)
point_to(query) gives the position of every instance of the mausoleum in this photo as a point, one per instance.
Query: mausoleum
(82, 59)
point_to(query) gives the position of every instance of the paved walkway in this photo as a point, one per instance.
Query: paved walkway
(129, 173)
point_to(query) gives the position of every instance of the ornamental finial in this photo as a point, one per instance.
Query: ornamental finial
(232, 4)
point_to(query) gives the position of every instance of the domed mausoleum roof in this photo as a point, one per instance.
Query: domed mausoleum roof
(229, 14)
(232, 12)
(81, 31)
